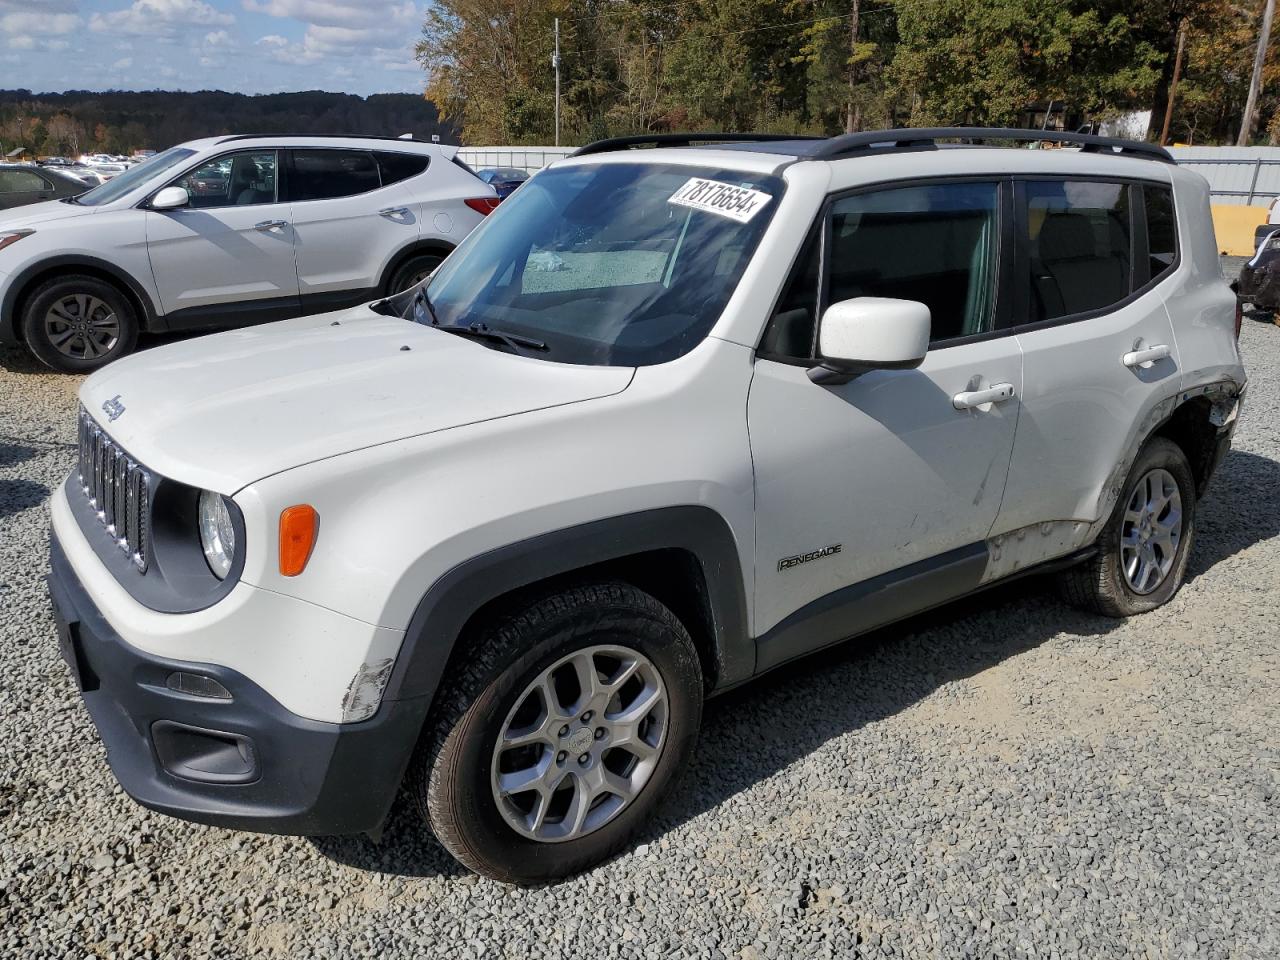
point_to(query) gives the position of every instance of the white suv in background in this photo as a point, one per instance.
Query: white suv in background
(669, 419)
(230, 231)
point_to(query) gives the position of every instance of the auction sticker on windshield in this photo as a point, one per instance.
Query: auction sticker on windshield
(723, 199)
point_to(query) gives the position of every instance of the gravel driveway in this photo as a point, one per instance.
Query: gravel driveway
(1006, 777)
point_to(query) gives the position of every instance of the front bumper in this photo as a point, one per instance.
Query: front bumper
(243, 762)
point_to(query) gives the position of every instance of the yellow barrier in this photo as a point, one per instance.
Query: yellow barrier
(1233, 225)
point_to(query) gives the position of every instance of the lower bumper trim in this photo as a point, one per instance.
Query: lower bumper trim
(246, 762)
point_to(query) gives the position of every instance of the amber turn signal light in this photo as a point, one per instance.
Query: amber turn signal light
(298, 527)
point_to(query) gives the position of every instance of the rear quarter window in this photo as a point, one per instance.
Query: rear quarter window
(1162, 229)
(395, 167)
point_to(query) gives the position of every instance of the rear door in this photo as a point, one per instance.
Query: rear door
(1098, 347)
(348, 224)
(227, 257)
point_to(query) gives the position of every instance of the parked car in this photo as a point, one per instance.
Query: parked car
(1259, 281)
(503, 179)
(21, 185)
(207, 235)
(670, 419)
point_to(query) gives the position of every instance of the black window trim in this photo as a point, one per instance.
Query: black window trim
(1001, 312)
(1138, 243)
(145, 202)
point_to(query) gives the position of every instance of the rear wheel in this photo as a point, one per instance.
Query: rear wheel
(1144, 547)
(412, 272)
(79, 323)
(560, 733)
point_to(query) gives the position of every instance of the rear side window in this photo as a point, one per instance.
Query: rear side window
(1162, 229)
(328, 174)
(1080, 242)
(395, 167)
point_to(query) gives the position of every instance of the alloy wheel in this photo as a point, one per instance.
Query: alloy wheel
(1151, 531)
(82, 326)
(581, 742)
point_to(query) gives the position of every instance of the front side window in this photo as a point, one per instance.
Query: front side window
(935, 244)
(620, 263)
(236, 180)
(329, 174)
(1079, 241)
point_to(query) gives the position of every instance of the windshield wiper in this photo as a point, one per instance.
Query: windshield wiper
(482, 331)
(421, 298)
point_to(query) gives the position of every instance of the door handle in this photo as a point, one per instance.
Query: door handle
(1146, 357)
(393, 212)
(266, 225)
(996, 393)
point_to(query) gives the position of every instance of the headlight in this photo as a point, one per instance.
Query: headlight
(217, 534)
(13, 236)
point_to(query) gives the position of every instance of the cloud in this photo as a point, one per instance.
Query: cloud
(333, 13)
(272, 40)
(218, 38)
(159, 18)
(377, 30)
(39, 23)
(124, 63)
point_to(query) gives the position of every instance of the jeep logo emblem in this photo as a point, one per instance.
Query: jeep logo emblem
(113, 408)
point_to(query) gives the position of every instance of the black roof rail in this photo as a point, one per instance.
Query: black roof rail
(682, 140)
(917, 138)
(326, 136)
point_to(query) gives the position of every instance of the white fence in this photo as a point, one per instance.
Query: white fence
(528, 159)
(1249, 176)
(1236, 175)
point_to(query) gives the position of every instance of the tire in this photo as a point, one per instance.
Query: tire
(454, 775)
(51, 318)
(1101, 584)
(412, 271)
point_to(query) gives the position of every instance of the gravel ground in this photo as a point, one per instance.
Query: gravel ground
(1007, 777)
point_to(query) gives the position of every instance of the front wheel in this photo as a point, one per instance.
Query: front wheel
(560, 732)
(79, 323)
(1143, 549)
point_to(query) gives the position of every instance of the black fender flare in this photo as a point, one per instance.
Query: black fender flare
(443, 612)
(18, 284)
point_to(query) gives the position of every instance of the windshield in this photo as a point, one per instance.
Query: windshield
(118, 186)
(625, 264)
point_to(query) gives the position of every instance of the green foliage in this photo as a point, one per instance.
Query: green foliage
(118, 122)
(801, 66)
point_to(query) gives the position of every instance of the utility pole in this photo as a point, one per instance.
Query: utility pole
(1173, 84)
(555, 62)
(1255, 82)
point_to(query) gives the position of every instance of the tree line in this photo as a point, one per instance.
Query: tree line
(826, 66)
(117, 122)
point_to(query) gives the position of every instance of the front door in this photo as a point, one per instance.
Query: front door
(894, 468)
(226, 258)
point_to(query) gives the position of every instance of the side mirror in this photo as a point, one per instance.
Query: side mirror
(170, 198)
(870, 333)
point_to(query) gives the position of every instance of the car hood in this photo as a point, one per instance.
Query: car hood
(222, 411)
(34, 214)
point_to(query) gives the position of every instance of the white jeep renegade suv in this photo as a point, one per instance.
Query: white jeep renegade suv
(668, 419)
(230, 231)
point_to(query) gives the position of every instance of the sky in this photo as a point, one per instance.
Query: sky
(245, 46)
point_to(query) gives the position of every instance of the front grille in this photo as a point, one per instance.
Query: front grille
(117, 488)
